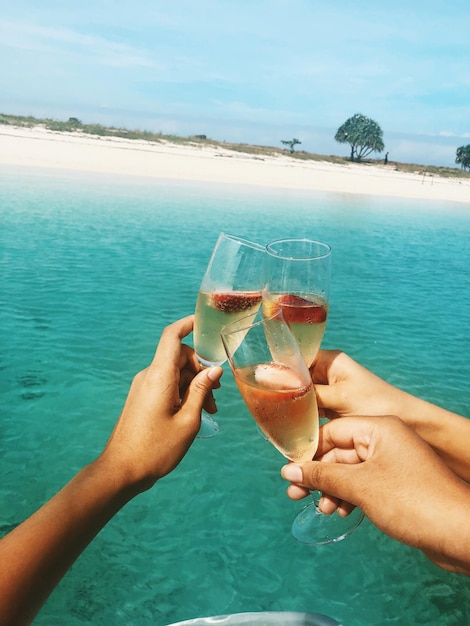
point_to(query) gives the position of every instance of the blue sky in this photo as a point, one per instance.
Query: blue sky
(253, 71)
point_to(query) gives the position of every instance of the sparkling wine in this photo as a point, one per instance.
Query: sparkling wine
(306, 316)
(284, 407)
(215, 310)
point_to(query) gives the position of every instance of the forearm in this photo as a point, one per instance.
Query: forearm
(446, 432)
(451, 549)
(37, 554)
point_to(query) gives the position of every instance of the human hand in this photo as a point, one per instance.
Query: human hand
(162, 412)
(345, 388)
(404, 488)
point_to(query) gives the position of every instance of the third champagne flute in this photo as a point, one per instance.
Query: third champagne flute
(276, 385)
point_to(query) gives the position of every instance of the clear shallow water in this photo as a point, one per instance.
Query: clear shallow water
(92, 269)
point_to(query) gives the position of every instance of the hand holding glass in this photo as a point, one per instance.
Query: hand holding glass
(275, 383)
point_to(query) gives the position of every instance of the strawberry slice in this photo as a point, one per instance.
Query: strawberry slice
(277, 377)
(299, 310)
(236, 301)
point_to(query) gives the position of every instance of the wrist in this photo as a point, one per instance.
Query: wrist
(114, 478)
(125, 470)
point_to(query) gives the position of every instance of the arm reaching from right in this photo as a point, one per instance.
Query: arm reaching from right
(345, 388)
(402, 486)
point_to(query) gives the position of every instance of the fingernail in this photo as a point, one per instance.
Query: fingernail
(214, 373)
(292, 472)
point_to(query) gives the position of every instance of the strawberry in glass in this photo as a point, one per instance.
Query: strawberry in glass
(215, 310)
(306, 316)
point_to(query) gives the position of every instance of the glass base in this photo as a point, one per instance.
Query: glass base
(209, 427)
(314, 528)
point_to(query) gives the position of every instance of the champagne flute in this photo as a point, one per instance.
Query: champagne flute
(275, 383)
(230, 289)
(298, 282)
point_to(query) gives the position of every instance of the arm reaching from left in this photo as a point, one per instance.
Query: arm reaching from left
(394, 476)
(152, 435)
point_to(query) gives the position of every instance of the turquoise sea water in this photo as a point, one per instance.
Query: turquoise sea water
(92, 269)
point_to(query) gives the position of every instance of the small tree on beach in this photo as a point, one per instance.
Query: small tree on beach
(291, 143)
(362, 134)
(462, 157)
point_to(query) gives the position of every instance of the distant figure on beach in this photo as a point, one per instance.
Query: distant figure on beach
(386, 158)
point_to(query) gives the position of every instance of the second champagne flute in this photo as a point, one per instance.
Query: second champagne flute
(230, 289)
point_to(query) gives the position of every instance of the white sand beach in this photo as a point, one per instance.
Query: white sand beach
(41, 148)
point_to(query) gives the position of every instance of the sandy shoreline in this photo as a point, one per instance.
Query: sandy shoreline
(40, 148)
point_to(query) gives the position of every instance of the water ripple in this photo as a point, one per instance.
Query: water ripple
(91, 273)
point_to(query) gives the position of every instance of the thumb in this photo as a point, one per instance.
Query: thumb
(201, 386)
(335, 479)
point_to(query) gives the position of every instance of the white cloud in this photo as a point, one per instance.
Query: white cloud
(64, 41)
